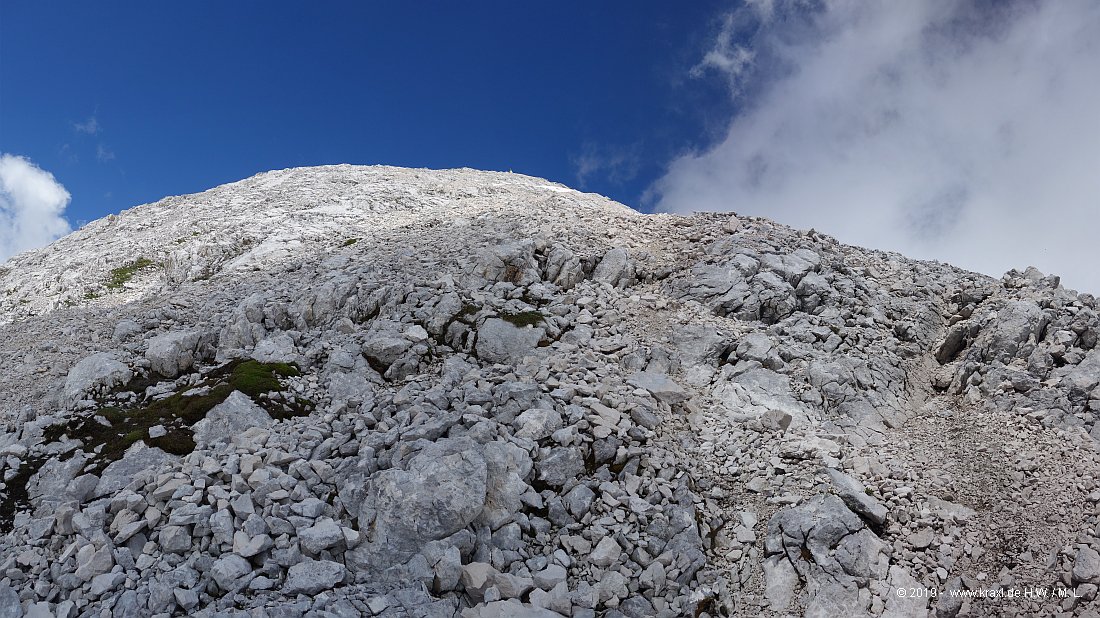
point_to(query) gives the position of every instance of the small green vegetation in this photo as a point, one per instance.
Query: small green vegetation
(90, 295)
(523, 318)
(349, 242)
(177, 412)
(254, 378)
(119, 276)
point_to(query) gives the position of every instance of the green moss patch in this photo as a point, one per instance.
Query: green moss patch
(180, 410)
(254, 378)
(108, 432)
(15, 496)
(121, 275)
(349, 242)
(523, 318)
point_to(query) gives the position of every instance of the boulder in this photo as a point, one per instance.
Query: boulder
(1014, 325)
(383, 349)
(513, 262)
(563, 268)
(276, 348)
(230, 572)
(171, 354)
(537, 423)
(510, 608)
(93, 374)
(442, 491)
(560, 465)
(1086, 566)
(312, 576)
(615, 268)
(507, 468)
(230, 418)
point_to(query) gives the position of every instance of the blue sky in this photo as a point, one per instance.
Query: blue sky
(965, 132)
(127, 102)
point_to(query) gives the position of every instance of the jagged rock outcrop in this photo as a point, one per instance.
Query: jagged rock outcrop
(349, 391)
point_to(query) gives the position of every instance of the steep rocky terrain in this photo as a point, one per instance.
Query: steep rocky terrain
(372, 391)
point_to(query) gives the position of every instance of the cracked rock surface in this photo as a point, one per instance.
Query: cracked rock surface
(373, 391)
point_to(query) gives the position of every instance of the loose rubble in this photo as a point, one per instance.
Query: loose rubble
(370, 391)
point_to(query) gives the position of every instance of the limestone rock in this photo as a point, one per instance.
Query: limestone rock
(230, 419)
(660, 386)
(93, 373)
(313, 576)
(499, 341)
(173, 353)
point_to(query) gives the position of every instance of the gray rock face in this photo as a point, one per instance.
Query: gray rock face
(1016, 323)
(830, 548)
(94, 373)
(499, 341)
(230, 418)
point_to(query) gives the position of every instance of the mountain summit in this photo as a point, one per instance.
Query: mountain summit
(376, 391)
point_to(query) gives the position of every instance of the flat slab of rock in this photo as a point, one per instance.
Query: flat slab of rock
(499, 341)
(662, 387)
(138, 458)
(854, 495)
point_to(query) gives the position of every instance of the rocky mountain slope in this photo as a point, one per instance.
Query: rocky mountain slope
(369, 391)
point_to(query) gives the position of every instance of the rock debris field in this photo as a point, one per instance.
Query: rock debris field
(372, 391)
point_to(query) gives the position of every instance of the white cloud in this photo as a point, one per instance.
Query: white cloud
(103, 153)
(89, 126)
(727, 56)
(32, 203)
(964, 132)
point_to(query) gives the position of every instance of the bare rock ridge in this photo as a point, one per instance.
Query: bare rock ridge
(372, 391)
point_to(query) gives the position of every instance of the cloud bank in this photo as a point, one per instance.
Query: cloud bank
(32, 203)
(958, 131)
